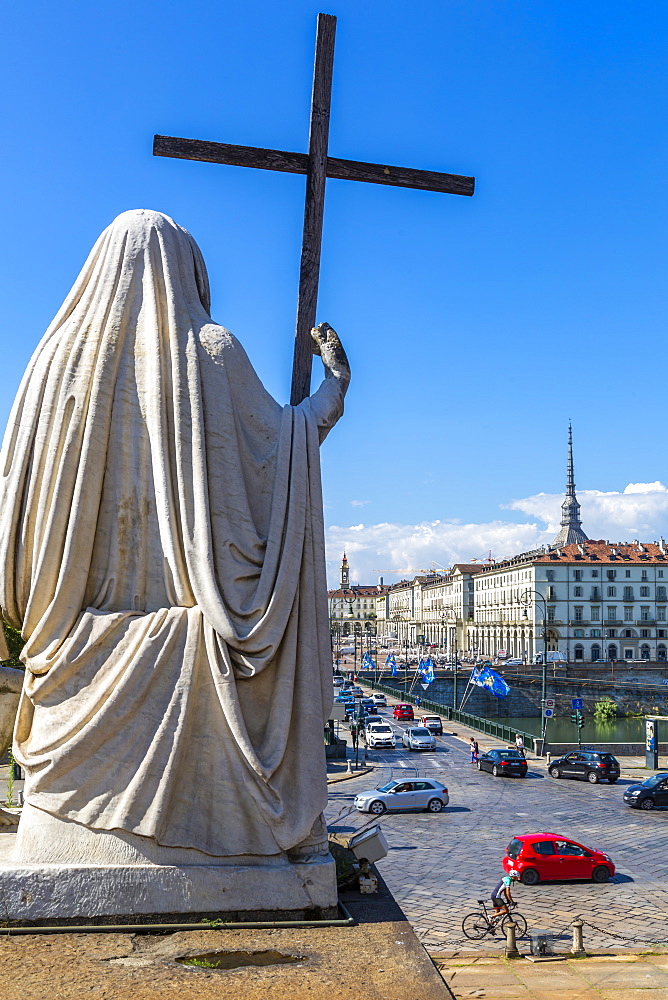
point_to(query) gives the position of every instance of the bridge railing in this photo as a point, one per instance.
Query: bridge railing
(490, 727)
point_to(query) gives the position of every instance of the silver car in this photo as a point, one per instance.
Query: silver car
(418, 738)
(422, 794)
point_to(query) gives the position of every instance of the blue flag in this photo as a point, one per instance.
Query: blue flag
(426, 668)
(367, 662)
(485, 677)
(391, 662)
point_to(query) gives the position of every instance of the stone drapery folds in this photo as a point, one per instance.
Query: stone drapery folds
(161, 548)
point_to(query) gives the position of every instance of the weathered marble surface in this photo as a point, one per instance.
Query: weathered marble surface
(11, 683)
(161, 547)
(57, 892)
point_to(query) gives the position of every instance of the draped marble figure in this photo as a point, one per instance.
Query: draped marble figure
(162, 551)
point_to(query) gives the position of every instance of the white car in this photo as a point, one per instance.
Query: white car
(418, 738)
(380, 700)
(379, 735)
(515, 662)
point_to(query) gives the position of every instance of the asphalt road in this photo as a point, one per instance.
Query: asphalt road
(440, 865)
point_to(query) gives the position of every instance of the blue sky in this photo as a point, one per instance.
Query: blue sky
(475, 327)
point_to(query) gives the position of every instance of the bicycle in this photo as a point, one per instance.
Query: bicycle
(477, 925)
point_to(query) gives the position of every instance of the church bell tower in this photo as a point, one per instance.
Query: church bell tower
(345, 574)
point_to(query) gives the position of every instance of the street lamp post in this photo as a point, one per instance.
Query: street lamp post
(339, 602)
(450, 616)
(527, 598)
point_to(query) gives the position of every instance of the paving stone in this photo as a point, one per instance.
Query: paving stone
(629, 993)
(457, 854)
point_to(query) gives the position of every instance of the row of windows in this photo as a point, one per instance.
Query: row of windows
(596, 652)
(611, 574)
(627, 594)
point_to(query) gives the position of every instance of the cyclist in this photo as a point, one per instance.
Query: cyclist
(501, 897)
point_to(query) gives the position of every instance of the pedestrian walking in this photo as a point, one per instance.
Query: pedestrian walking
(519, 743)
(417, 701)
(475, 750)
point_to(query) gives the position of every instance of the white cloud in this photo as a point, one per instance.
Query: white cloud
(640, 511)
(393, 550)
(359, 503)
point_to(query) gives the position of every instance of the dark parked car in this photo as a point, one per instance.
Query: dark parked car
(588, 765)
(503, 762)
(648, 793)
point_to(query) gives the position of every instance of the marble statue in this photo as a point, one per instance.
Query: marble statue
(162, 551)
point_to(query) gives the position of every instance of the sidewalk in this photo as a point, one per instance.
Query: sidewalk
(600, 977)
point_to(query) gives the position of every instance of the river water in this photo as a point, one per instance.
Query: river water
(562, 730)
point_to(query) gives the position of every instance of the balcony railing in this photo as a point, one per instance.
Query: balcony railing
(578, 621)
(645, 621)
(613, 621)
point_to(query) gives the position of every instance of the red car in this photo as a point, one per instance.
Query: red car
(403, 712)
(550, 856)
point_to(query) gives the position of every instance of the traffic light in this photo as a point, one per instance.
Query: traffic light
(578, 719)
(574, 718)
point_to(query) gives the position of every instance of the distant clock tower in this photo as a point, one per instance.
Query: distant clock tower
(345, 574)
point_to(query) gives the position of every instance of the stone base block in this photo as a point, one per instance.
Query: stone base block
(98, 893)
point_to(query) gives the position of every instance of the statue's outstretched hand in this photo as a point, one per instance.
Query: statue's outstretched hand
(326, 343)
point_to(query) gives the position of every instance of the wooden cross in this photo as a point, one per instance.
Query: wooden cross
(317, 166)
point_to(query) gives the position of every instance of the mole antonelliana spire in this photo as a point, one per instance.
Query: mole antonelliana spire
(571, 526)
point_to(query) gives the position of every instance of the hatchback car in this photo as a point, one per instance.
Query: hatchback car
(430, 795)
(588, 765)
(380, 700)
(649, 793)
(379, 735)
(433, 723)
(539, 856)
(503, 762)
(418, 738)
(403, 712)
(369, 705)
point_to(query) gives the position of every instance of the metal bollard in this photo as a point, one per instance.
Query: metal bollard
(578, 944)
(511, 943)
(349, 769)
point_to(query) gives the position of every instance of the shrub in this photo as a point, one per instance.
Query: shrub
(605, 710)
(15, 644)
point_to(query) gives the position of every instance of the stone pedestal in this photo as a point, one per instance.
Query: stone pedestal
(57, 871)
(168, 894)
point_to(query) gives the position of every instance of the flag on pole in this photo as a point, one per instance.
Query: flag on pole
(485, 677)
(367, 662)
(390, 661)
(426, 668)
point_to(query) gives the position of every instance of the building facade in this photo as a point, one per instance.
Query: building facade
(591, 600)
(599, 601)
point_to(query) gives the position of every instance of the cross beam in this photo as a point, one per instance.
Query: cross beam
(318, 166)
(297, 163)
